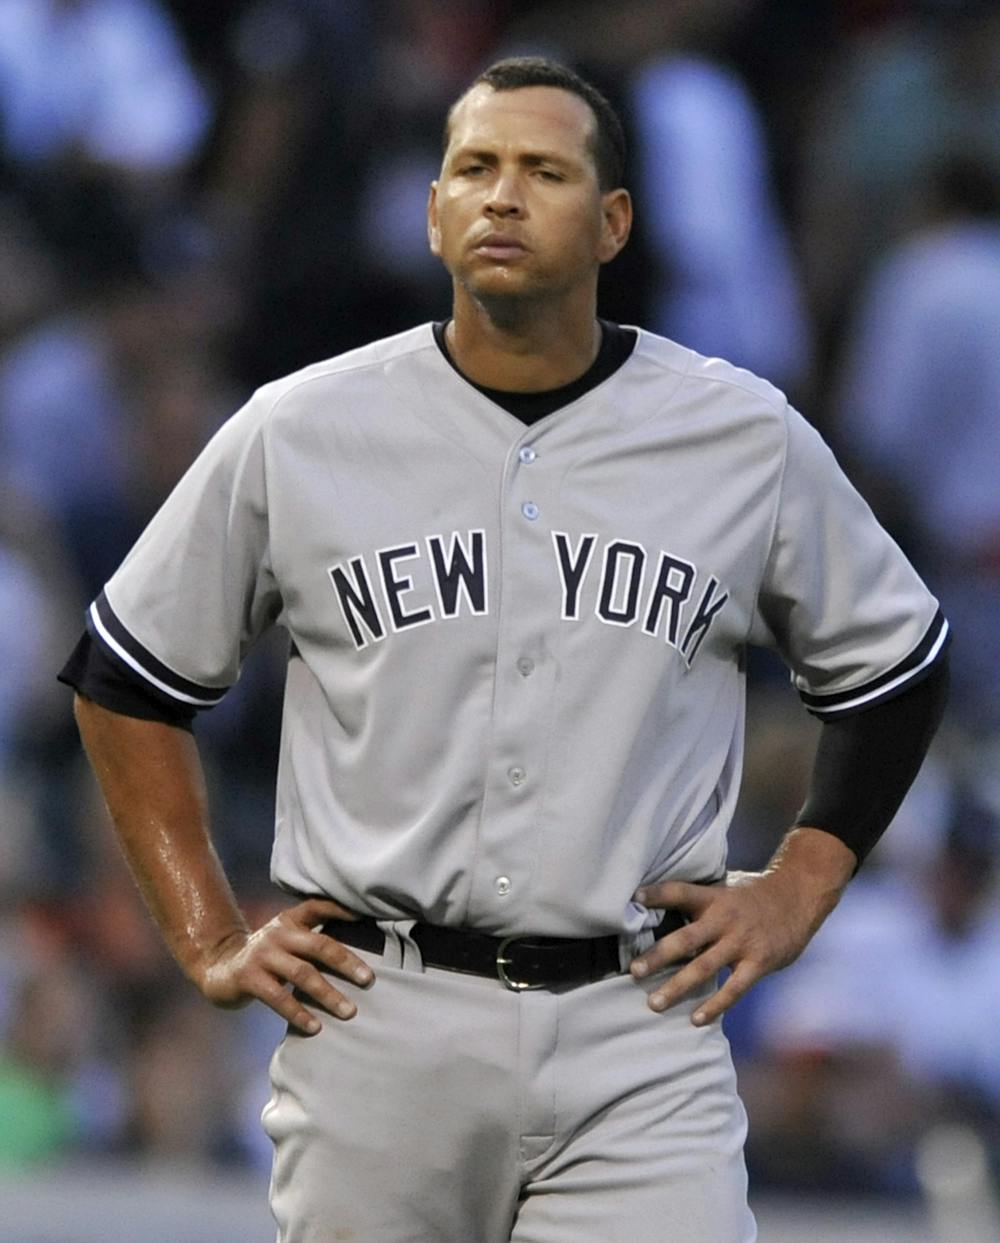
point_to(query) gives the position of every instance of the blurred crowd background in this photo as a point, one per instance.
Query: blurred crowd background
(196, 198)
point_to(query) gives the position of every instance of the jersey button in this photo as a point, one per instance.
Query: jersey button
(502, 885)
(530, 510)
(527, 454)
(517, 775)
(525, 666)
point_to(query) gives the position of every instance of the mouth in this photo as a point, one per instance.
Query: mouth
(499, 246)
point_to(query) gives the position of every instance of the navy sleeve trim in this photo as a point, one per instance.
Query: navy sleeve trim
(97, 675)
(912, 669)
(114, 638)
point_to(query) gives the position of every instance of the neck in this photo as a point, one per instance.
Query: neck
(522, 348)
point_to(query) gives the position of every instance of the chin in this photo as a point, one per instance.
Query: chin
(502, 285)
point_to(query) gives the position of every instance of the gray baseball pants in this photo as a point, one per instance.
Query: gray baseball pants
(453, 1110)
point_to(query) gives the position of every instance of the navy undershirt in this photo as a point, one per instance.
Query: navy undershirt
(865, 761)
(617, 344)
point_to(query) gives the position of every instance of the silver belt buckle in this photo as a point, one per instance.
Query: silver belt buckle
(516, 986)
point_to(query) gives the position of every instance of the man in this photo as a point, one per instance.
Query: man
(519, 557)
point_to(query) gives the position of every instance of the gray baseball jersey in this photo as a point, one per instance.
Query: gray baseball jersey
(515, 688)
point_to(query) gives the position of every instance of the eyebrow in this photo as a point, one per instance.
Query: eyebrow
(530, 159)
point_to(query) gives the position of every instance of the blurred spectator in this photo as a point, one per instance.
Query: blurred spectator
(80, 397)
(103, 81)
(23, 646)
(40, 615)
(182, 1078)
(903, 94)
(920, 409)
(50, 1029)
(888, 1023)
(99, 112)
(282, 198)
(725, 283)
(37, 1124)
(65, 437)
(30, 285)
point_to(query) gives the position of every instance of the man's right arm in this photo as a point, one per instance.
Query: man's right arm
(151, 776)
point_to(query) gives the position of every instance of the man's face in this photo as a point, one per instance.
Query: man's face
(517, 212)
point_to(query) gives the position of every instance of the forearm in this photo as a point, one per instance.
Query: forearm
(152, 780)
(816, 866)
(864, 766)
(866, 763)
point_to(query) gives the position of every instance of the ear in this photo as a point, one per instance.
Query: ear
(616, 207)
(433, 231)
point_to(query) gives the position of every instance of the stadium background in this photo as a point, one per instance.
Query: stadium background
(196, 198)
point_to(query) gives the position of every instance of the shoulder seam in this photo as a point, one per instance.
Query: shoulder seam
(777, 403)
(329, 367)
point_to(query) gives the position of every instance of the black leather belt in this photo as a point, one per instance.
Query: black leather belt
(519, 962)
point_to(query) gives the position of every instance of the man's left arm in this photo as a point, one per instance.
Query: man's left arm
(758, 922)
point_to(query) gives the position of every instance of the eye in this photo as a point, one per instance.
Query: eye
(547, 174)
(471, 170)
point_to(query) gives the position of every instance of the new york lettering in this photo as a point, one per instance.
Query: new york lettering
(413, 584)
(458, 573)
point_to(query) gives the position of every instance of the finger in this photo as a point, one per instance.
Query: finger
(275, 995)
(685, 943)
(743, 978)
(677, 894)
(314, 911)
(689, 979)
(305, 978)
(335, 956)
(331, 953)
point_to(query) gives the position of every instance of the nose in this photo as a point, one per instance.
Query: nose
(505, 200)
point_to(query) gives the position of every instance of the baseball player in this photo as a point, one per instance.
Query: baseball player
(519, 556)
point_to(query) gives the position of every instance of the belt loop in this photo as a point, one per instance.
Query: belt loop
(632, 944)
(399, 945)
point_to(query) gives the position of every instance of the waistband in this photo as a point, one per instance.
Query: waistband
(519, 962)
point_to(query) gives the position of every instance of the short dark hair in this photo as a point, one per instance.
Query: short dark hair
(516, 72)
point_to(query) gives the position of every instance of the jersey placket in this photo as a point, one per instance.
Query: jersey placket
(524, 681)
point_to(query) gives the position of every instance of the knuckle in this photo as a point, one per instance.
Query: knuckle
(288, 1013)
(301, 973)
(745, 978)
(334, 953)
(709, 965)
(274, 993)
(682, 983)
(734, 988)
(333, 1001)
(702, 971)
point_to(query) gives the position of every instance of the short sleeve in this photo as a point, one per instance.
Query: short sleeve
(846, 609)
(198, 589)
